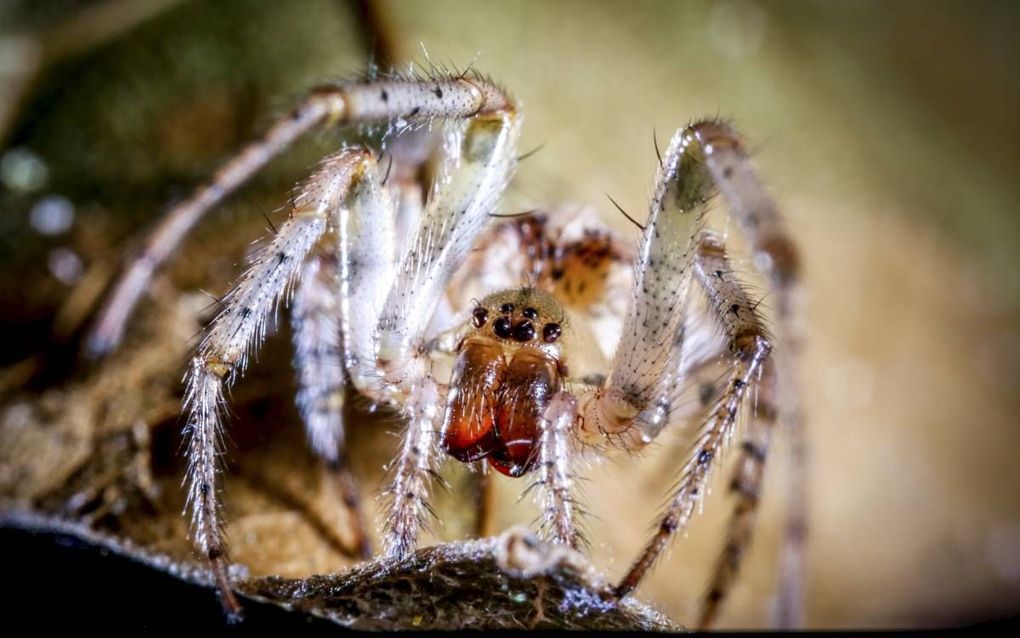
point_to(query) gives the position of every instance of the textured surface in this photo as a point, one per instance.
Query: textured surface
(511, 581)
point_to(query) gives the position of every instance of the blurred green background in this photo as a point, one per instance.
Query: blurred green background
(887, 131)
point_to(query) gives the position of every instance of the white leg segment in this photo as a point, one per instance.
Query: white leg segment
(315, 324)
(234, 334)
(367, 267)
(647, 356)
(409, 490)
(558, 517)
(480, 155)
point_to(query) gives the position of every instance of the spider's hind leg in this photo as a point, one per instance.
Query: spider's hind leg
(725, 292)
(777, 257)
(745, 485)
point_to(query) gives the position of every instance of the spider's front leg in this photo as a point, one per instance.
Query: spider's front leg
(637, 398)
(634, 402)
(639, 394)
(478, 158)
(749, 351)
(337, 306)
(345, 204)
(239, 329)
(407, 101)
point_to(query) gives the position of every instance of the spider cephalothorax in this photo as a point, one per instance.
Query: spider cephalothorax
(382, 271)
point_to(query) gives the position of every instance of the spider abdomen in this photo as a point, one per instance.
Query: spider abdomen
(495, 403)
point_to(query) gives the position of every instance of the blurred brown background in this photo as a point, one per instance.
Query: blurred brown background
(887, 131)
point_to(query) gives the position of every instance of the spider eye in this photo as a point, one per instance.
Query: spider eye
(479, 316)
(551, 332)
(524, 331)
(530, 313)
(502, 328)
(506, 308)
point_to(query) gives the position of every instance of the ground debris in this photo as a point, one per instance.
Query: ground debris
(465, 584)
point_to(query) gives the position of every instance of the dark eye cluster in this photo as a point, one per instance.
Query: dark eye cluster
(522, 331)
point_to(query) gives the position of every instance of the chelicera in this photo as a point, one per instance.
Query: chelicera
(503, 380)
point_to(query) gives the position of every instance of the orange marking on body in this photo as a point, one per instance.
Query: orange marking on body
(581, 269)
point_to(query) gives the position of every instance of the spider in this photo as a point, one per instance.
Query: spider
(371, 264)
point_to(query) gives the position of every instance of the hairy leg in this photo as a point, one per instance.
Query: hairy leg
(559, 510)
(479, 156)
(745, 486)
(725, 292)
(636, 395)
(409, 490)
(322, 382)
(408, 101)
(751, 351)
(239, 329)
(777, 257)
